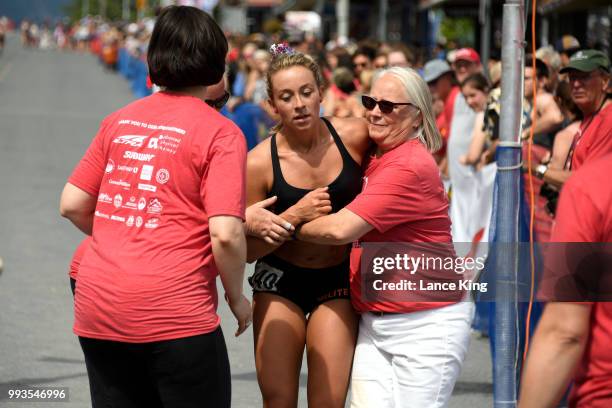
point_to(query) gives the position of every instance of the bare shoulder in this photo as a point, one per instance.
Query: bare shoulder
(260, 158)
(545, 100)
(353, 132)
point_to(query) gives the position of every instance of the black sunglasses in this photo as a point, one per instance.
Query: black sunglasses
(385, 106)
(218, 103)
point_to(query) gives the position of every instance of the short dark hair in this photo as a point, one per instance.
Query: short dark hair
(187, 49)
(477, 81)
(366, 50)
(541, 67)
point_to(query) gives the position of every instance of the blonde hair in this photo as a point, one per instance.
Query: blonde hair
(284, 61)
(418, 93)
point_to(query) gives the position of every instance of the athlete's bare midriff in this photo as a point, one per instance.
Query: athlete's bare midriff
(315, 256)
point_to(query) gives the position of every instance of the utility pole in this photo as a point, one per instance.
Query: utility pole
(508, 204)
(342, 15)
(383, 8)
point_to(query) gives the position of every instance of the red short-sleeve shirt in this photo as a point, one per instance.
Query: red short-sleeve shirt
(596, 140)
(75, 263)
(584, 214)
(159, 168)
(404, 200)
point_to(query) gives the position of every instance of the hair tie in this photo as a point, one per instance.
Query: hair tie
(281, 49)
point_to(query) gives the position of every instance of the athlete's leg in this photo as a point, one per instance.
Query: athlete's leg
(330, 342)
(279, 329)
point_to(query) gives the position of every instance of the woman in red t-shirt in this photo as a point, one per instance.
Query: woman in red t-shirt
(161, 189)
(412, 342)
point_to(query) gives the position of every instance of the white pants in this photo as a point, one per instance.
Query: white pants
(412, 359)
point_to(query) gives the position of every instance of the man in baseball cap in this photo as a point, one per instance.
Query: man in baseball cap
(467, 62)
(587, 61)
(588, 73)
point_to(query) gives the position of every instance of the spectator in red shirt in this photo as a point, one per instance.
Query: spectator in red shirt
(572, 342)
(409, 353)
(161, 189)
(589, 77)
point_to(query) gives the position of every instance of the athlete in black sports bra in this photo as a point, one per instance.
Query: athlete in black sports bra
(308, 287)
(312, 166)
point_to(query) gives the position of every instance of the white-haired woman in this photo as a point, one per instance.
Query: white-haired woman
(409, 353)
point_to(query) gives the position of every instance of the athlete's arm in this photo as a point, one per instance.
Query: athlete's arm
(78, 206)
(340, 228)
(555, 351)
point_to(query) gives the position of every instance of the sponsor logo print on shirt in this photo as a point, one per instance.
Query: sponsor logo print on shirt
(118, 200)
(130, 140)
(139, 221)
(105, 198)
(128, 169)
(145, 157)
(101, 215)
(162, 176)
(109, 166)
(155, 207)
(147, 172)
(147, 187)
(131, 204)
(164, 143)
(130, 221)
(152, 223)
(117, 218)
(122, 183)
(142, 203)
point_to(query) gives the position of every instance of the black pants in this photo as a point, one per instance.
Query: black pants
(180, 373)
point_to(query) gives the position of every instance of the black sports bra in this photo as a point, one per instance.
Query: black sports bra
(341, 191)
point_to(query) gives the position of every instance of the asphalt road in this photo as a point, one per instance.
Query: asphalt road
(50, 106)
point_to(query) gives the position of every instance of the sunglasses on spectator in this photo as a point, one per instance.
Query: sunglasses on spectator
(385, 106)
(218, 103)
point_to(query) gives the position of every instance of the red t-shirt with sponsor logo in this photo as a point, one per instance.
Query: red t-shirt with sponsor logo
(584, 214)
(159, 167)
(75, 263)
(404, 200)
(596, 140)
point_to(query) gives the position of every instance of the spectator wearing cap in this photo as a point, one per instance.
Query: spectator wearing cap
(443, 87)
(466, 62)
(589, 78)
(462, 177)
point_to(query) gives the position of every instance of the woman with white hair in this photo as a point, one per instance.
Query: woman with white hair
(410, 349)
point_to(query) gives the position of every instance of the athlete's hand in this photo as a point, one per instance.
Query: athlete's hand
(313, 205)
(241, 309)
(266, 225)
